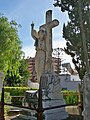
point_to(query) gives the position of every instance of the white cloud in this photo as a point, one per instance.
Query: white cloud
(59, 43)
(65, 58)
(29, 51)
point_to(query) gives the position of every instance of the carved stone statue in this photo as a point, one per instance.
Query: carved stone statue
(43, 44)
(40, 44)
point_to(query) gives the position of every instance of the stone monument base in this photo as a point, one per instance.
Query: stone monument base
(52, 96)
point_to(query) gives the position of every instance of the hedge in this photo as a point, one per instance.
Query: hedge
(17, 91)
(69, 96)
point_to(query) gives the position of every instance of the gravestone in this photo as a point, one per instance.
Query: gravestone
(52, 96)
(86, 97)
(1, 77)
(50, 82)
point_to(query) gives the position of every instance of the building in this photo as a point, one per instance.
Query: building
(56, 66)
(69, 82)
(31, 68)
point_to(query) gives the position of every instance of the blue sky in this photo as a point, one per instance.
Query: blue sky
(26, 11)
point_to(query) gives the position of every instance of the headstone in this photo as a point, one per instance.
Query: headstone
(1, 77)
(86, 97)
(32, 85)
(30, 100)
(52, 96)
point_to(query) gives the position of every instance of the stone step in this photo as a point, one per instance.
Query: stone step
(24, 117)
(73, 110)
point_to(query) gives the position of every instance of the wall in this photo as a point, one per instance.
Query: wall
(69, 82)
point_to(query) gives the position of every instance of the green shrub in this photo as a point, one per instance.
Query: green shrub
(71, 96)
(17, 91)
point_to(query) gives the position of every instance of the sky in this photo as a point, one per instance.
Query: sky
(24, 12)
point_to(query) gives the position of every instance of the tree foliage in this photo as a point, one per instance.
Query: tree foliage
(10, 46)
(12, 61)
(20, 79)
(79, 14)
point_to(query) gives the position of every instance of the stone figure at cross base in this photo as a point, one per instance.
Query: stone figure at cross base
(40, 45)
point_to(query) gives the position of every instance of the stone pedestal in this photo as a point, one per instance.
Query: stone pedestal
(52, 96)
(86, 97)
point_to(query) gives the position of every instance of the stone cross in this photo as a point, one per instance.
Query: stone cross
(48, 27)
(43, 44)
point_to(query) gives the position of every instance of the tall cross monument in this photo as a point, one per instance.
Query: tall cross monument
(43, 43)
(48, 28)
(49, 81)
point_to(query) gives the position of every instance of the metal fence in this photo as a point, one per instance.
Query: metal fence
(39, 110)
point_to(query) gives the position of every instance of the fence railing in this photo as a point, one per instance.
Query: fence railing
(39, 110)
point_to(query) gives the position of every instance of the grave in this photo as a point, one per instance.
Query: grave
(50, 81)
(1, 84)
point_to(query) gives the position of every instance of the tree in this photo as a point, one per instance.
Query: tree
(77, 32)
(24, 72)
(20, 79)
(10, 46)
(57, 53)
(11, 56)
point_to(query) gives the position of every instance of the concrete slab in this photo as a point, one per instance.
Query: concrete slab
(74, 110)
(24, 117)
